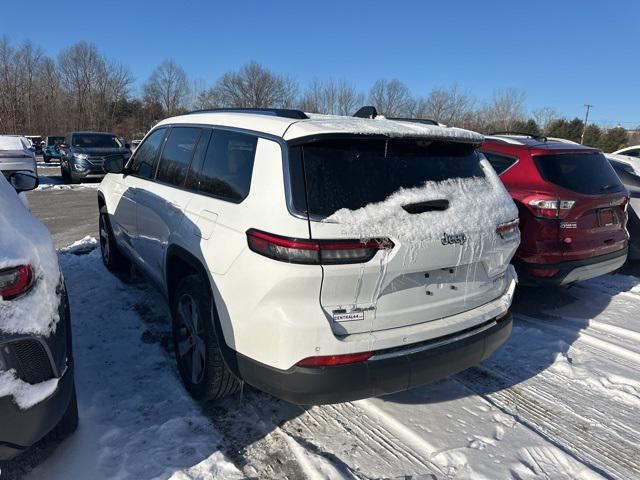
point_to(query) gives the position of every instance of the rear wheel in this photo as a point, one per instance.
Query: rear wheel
(46, 159)
(197, 349)
(112, 258)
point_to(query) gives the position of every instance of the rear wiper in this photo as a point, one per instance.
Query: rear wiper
(606, 187)
(428, 206)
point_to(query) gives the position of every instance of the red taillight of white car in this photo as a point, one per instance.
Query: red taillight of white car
(507, 228)
(315, 252)
(548, 207)
(15, 281)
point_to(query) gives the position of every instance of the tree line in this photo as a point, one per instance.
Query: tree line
(82, 89)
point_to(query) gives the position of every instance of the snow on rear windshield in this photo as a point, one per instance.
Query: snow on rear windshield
(11, 143)
(352, 173)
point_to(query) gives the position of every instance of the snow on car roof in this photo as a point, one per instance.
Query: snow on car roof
(317, 124)
(9, 142)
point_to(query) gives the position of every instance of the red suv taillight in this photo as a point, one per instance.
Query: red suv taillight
(315, 252)
(15, 281)
(549, 207)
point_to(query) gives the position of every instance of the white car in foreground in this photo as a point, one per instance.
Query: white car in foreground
(319, 258)
(16, 155)
(37, 393)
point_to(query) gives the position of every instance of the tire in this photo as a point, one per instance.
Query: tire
(69, 421)
(112, 258)
(205, 376)
(46, 159)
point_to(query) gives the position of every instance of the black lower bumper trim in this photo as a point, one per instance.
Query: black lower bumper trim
(565, 268)
(390, 374)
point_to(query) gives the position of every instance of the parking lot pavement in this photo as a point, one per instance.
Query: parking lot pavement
(70, 213)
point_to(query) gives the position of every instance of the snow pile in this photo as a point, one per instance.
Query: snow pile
(382, 126)
(476, 205)
(79, 186)
(25, 241)
(81, 247)
(24, 394)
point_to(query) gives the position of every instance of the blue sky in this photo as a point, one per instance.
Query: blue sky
(561, 53)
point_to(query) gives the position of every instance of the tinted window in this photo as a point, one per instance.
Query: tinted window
(193, 177)
(143, 163)
(228, 165)
(352, 173)
(177, 154)
(632, 153)
(96, 140)
(51, 141)
(499, 162)
(588, 173)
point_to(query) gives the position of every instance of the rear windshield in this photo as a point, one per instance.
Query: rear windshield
(352, 173)
(96, 140)
(587, 173)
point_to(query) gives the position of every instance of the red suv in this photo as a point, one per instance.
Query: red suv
(572, 208)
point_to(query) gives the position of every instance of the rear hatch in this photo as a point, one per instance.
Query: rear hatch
(592, 217)
(438, 202)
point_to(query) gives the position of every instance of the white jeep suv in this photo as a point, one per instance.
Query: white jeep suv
(318, 258)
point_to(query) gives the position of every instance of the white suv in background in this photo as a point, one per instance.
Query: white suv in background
(318, 258)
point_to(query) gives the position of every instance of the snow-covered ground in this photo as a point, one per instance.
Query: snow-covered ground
(559, 400)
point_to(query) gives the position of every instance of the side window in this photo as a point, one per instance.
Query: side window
(228, 165)
(499, 162)
(193, 177)
(633, 153)
(143, 163)
(177, 154)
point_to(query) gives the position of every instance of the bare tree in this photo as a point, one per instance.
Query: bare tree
(392, 98)
(331, 97)
(447, 105)
(504, 110)
(168, 86)
(544, 116)
(252, 86)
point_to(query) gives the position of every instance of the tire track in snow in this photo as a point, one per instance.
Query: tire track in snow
(588, 339)
(590, 444)
(350, 428)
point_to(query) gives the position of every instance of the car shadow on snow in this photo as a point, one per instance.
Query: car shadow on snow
(547, 322)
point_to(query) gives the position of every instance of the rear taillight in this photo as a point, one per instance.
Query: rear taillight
(548, 207)
(315, 252)
(506, 229)
(15, 281)
(333, 360)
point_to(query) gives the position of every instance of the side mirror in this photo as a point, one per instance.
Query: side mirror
(127, 145)
(114, 165)
(23, 181)
(32, 149)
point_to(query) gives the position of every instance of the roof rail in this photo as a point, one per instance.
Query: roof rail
(366, 112)
(275, 112)
(542, 138)
(426, 121)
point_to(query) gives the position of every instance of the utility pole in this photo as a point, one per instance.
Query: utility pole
(586, 119)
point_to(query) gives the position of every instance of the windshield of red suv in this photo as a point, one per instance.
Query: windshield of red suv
(587, 173)
(352, 173)
(96, 140)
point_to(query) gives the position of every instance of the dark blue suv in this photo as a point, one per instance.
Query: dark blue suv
(83, 154)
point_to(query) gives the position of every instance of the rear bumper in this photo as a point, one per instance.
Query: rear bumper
(20, 429)
(572, 272)
(23, 428)
(388, 371)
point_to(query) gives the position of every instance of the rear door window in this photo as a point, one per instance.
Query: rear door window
(143, 163)
(177, 154)
(331, 174)
(500, 163)
(228, 165)
(586, 173)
